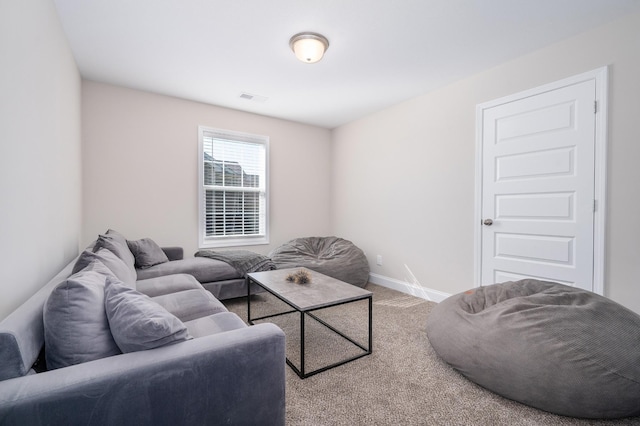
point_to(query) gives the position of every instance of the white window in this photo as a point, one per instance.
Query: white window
(233, 201)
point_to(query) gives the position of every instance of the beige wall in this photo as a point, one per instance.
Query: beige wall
(403, 178)
(40, 206)
(140, 167)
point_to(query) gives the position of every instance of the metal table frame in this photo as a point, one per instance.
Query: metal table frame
(301, 371)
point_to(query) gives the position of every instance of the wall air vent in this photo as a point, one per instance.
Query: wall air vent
(254, 98)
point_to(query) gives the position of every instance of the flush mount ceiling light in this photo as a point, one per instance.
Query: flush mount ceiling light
(309, 47)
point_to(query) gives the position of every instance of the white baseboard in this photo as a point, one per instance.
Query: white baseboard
(405, 287)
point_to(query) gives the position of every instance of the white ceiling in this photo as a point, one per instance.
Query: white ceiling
(381, 51)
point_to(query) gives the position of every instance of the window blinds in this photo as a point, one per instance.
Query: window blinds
(233, 185)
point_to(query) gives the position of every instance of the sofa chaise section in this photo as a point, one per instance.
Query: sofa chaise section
(219, 278)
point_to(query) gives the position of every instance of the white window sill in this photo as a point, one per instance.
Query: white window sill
(233, 242)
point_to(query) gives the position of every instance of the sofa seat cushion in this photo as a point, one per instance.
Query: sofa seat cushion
(557, 348)
(138, 323)
(76, 328)
(213, 324)
(202, 269)
(230, 289)
(167, 284)
(188, 305)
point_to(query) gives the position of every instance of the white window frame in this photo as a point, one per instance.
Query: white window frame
(234, 240)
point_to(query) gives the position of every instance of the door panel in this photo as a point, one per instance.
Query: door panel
(546, 206)
(538, 162)
(532, 165)
(552, 118)
(502, 276)
(534, 248)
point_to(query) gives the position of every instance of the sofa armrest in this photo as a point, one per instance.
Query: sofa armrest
(174, 253)
(235, 377)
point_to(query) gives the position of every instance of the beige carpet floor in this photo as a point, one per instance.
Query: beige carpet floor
(403, 382)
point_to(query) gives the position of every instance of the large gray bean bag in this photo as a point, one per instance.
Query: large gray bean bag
(550, 346)
(332, 256)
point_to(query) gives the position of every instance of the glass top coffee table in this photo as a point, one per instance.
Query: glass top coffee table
(320, 293)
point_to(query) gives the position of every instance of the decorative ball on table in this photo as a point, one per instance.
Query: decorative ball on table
(299, 277)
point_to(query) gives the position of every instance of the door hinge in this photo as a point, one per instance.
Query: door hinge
(595, 204)
(595, 107)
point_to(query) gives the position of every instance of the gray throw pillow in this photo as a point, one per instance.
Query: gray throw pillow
(76, 328)
(137, 322)
(117, 244)
(147, 253)
(111, 261)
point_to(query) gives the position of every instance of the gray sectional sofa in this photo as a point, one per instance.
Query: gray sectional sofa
(104, 343)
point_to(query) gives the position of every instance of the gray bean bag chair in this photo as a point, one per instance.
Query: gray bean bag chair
(557, 348)
(332, 256)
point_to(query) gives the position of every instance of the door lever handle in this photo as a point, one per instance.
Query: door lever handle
(488, 222)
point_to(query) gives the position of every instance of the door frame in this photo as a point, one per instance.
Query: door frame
(600, 75)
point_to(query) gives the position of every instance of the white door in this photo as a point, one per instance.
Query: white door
(538, 194)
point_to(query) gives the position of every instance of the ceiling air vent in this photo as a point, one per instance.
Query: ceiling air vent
(255, 98)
